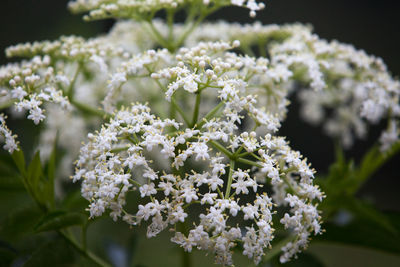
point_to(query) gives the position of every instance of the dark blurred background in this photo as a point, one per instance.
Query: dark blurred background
(369, 24)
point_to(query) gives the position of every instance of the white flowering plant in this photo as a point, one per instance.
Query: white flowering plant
(175, 127)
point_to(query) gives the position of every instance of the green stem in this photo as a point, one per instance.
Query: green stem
(196, 110)
(188, 31)
(289, 184)
(180, 111)
(221, 148)
(71, 91)
(249, 162)
(175, 105)
(170, 22)
(193, 26)
(119, 149)
(90, 110)
(261, 48)
(220, 193)
(186, 259)
(210, 114)
(237, 153)
(228, 188)
(247, 49)
(80, 106)
(158, 37)
(84, 252)
(134, 182)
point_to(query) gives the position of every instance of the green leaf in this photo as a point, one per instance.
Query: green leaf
(51, 165)
(50, 171)
(35, 172)
(54, 253)
(58, 220)
(19, 160)
(366, 211)
(364, 233)
(339, 177)
(371, 162)
(74, 201)
(19, 222)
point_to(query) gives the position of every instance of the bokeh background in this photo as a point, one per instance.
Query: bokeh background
(368, 24)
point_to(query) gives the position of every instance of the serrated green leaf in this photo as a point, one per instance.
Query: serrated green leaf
(58, 220)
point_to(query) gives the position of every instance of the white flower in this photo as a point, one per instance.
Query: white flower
(147, 190)
(99, 61)
(189, 194)
(179, 214)
(18, 93)
(201, 149)
(117, 80)
(208, 198)
(36, 114)
(10, 143)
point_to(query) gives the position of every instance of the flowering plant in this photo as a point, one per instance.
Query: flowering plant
(179, 124)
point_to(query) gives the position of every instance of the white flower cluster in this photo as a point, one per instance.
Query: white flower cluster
(336, 77)
(120, 159)
(50, 80)
(241, 79)
(138, 66)
(71, 48)
(31, 83)
(137, 9)
(206, 139)
(10, 143)
(115, 161)
(338, 86)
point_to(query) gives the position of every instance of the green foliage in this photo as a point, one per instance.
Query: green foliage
(39, 185)
(365, 233)
(57, 220)
(304, 260)
(366, 225)
(53, 253)
(19, 160)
